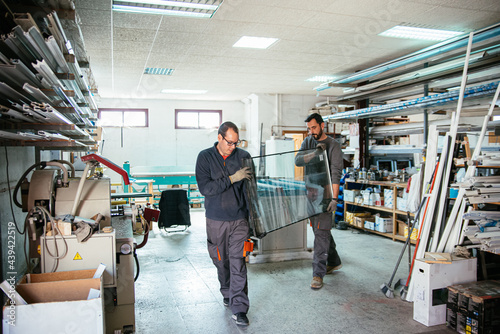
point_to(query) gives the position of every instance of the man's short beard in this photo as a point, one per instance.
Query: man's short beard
(318, 136)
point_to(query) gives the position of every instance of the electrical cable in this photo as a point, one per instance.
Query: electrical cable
(145, 234)
(137, 264)
(16, 189)
(10, 194)
(46, 216)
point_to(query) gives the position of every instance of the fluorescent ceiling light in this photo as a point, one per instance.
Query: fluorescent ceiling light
(254, 42)
(147, 10)
(174, 8)
(173, 4)
(420, 33)
(183, 91)
(322, 78)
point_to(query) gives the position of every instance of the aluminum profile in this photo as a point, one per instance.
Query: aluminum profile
(46, 72)
(14, 115)
(11, 94)
(42, 47)
(57, 54)
(36, 93)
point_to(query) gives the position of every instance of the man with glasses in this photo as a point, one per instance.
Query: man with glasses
(220, 177)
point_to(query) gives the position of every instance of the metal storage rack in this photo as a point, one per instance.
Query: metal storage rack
(46, 86)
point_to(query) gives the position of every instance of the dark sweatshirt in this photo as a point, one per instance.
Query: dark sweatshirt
(333, 151)
(224, 201)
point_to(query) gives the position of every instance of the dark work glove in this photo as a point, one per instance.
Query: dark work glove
(332, 206)
(243, 173)
(321, 146)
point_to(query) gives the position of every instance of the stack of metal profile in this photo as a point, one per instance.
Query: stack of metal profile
(42, 83)
(481, 192)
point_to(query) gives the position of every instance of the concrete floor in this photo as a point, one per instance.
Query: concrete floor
(178, 292)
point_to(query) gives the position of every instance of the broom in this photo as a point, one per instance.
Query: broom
(386, 288)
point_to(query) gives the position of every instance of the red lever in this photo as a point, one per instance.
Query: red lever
(108, 163)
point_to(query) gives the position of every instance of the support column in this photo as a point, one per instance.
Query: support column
(364, 136)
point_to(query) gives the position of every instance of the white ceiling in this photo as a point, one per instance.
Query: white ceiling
(316, 37)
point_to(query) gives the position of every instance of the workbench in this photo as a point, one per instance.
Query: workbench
(158, 178)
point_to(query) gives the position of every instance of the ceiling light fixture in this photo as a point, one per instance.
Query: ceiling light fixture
(173, 8)
(254, 42)
(419, 33)
(181, 4)
(183, 91)
(322, 78)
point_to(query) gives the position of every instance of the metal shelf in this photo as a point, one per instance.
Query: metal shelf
(45, 97)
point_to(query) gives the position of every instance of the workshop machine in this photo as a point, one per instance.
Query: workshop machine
(57, 203)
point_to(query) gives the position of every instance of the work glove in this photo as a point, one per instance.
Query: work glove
(332, 206)
(321, 146)
(243, 173)
(83, 232)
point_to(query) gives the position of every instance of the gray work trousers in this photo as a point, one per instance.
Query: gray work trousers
(225, 240)
(325, 252)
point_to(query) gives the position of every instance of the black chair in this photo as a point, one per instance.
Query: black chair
(174, 210)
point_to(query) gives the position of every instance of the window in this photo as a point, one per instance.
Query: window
(123, 117)
(197, 119)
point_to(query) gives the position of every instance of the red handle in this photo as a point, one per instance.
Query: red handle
(110, 164)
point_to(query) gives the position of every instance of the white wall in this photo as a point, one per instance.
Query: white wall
(295, 109)
(161, 144)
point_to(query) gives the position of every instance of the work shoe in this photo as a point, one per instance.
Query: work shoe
(317, 283)
(225, 301)
(241, 319)
(331, 269)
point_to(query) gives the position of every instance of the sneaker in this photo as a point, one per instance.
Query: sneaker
(241, 319)
(331, 269)
(317, 283)
(225, 301)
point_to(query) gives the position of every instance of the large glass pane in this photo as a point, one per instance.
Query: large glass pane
(134, 118)
(280, 195)
(111, 118)
(209, 120)
(187, 119)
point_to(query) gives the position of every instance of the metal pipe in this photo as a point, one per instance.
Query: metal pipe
(445, 46)
(426, 115)
(80, 188)
(422, 102)
(61, 166)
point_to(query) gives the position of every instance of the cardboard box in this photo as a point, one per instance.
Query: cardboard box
(401, 204)
(430, 287)
(369, 224)
(414, 233)
(360, 221)
(350, 195)
(349, 216)
(388, 198)
(401, 227)
(384, 225)
(57, 303)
